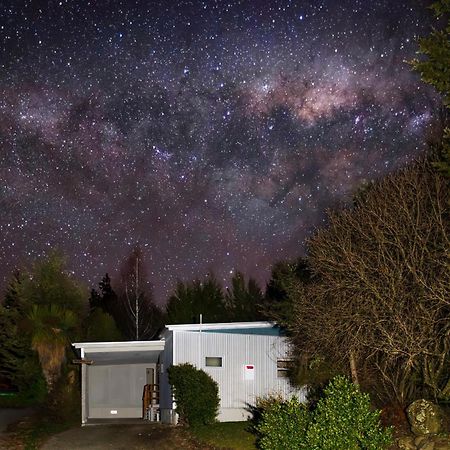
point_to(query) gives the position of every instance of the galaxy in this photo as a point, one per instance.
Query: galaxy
(214, 134)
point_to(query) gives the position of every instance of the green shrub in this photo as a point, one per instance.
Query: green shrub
(283, 425)
(344, 419)
(341, 420)
(196, 394)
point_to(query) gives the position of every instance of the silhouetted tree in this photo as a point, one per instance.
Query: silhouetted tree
(277, 305)
(197, 297)
(18, 362)
(433, 66)
(105, 298)
(101, 327)
(137, 315)
(243, 300)
(104, 314)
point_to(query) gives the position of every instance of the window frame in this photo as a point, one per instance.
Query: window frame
(214, 365)
(283, 366)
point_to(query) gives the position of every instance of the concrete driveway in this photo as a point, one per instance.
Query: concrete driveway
(123, 437)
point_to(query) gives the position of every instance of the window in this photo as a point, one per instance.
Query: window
(283, 367)
(213, 361)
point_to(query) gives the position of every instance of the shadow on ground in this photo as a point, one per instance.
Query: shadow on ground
(123, 437)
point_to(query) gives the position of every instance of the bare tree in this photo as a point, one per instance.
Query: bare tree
(141, 318)
(380, 299)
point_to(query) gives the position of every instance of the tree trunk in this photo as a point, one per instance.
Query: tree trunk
(353, 370)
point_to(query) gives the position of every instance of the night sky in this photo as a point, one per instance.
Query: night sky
(213, 133)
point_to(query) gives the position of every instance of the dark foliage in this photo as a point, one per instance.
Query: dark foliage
(243, 300)
(136, 315)
(196, 394)
(198, 297)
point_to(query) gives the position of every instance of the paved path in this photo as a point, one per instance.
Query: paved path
(11, 415)
(122, 437)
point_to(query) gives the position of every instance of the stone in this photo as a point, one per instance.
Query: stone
(427, 443)
(406, 443)
(424, 417)
(419, 440)
(442, 444)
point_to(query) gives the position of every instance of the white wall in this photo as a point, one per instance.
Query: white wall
(236, 351)
(116, 388)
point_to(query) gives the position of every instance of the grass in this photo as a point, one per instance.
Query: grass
(229, 435)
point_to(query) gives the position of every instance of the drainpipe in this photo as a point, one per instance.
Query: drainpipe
(200, 342)
(83, 389)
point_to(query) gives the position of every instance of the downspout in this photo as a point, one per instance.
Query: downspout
(200, 342)
(83, 389)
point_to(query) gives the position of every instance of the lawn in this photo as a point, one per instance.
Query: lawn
(230, 435)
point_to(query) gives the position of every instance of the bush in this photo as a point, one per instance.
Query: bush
(283, 425)
(196, 394)
(342, 419)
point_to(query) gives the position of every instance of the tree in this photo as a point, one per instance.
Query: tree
(45, 307)
(18, 362)
(50, 284)
(198, 297)
(51, 327)
(104, 314)
(105, 298)
(433, 67)
(277, 304)
(243, 300)
(101, 327)
(379, 298)
(136, 315)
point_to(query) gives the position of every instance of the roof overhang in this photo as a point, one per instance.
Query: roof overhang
(219, 326)
(112, 353)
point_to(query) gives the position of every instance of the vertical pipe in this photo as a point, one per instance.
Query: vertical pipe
(136, 293)
(200, 342)
(83, 390)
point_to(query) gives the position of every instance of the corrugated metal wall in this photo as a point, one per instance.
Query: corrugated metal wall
(166, 361)
(236, 351)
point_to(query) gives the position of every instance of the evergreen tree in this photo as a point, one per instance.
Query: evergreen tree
(105, 299)
(18, 362)
(244, 300)
(104, 312)
(41, 314)
(197, 297)
(101, 327)
(433, 67)
(277, 304)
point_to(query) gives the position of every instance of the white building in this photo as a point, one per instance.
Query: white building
(246, 359)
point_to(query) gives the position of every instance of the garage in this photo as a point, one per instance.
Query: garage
(114, 376)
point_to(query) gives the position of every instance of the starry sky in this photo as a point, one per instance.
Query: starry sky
(214, 134)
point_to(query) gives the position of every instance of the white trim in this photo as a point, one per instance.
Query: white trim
(104, 347)
(219, 326)
(83, 390)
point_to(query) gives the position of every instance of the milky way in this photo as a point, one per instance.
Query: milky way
(213, 134)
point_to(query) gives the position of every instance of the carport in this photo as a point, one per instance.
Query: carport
(113, 376)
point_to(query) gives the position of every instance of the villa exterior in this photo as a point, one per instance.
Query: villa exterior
(246, 359)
